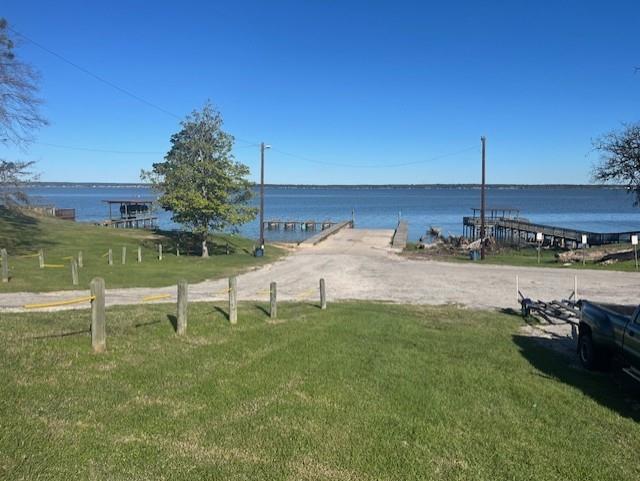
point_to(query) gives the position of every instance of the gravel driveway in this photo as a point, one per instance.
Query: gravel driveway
(359, 264)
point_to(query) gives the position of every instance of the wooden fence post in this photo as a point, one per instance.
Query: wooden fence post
(273, 311)
(74, 272)
(139, 254)
(110, 256)
(183, 302)
(98, 318)
(41, 258)
(80, 261)
(124, 255)
(323, 295)
(177, 251)
(159, 252)
(233, 300)
(5, 265)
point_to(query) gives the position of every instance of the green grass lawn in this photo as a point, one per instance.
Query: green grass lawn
(23, 235)
(361, 391)
(525, 256)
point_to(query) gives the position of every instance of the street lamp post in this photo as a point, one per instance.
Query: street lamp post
(263, 147)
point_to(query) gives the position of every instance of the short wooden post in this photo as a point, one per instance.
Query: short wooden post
(233, 300)
(98, 318)
(5, 265)
(273, 311)
(159, 252)
(139, 254)
(323, 295)
(124, 255)
(41, 258)
(74, 272)
(183, 302)
(80, 260)
(110, 256)
(177, 251)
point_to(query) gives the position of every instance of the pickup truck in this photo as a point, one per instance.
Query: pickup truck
(608, 331)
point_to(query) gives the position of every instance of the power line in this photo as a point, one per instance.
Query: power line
(110, 83)
(376, 166)
(104, 151)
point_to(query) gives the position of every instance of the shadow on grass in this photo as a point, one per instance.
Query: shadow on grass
(224, 313)
(174, 321)
(20, 233)
(262, 309)
(62, 334)
(189, 244)
(614, 390)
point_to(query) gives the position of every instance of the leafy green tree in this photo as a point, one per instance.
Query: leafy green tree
(201, 183)
(620, 159)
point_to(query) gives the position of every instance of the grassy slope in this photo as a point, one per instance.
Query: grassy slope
(526, 256)
(24, 235)
(360, 391)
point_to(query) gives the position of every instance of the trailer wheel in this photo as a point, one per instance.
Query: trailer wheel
(587, 352)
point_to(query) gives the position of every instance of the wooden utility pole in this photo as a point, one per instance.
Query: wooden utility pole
(482, 198)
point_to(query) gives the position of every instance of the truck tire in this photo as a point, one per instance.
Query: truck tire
(589, 356)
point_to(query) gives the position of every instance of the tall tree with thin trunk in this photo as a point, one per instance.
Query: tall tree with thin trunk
(19, 117)
(200, 182)
(620, 159)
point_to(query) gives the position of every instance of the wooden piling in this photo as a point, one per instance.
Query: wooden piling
(159, 252)
(177, 251)
(233, 300)
(110, 256)
(98, 317)
(139, 254)
(41, 258)
(183, 302)
(323, 295)
(5, 265)
(273, 310)
(80, 260)
(124, 255)
(74, 272)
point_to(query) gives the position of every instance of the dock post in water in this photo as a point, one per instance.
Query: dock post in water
(5, 265)
(233, 300)
(98, 318)
(273, 310)
(323, 295)
(183, 302)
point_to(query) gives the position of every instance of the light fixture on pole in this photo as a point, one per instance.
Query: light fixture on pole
(260, 249)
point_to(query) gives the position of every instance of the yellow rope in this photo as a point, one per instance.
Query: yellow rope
(105, 254)
(223, 291)
(263, 291)
(77, 300)
(68, 258)
(29, 255)
(156, 297)
(53, 266)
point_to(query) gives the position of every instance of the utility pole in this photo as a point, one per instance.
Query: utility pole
(263, 147)
(483, 140)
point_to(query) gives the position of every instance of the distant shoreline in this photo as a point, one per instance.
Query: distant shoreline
(116, 185)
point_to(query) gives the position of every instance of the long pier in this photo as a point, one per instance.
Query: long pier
(517, 230)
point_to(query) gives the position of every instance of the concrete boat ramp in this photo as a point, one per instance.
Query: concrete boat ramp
(362, 264)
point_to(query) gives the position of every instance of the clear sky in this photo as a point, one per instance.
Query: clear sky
(359, 85)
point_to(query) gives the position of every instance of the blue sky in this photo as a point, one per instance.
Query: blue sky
(358, 85)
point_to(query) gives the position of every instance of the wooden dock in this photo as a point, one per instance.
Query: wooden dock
(400, 235)
(520, 230)
(294, 225)
(134, 223)
(325, 233)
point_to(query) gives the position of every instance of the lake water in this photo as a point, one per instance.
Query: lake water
(583, 208)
